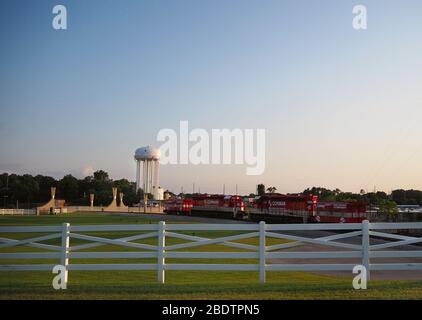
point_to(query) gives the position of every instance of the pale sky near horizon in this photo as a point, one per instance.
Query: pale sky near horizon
(342, 108)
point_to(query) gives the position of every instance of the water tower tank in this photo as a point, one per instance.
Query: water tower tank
(155, 154)
(144, 153)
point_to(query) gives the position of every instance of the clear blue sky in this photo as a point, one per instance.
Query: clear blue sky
(342, 108)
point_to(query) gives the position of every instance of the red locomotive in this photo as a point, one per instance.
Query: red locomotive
(285, 208)
(178, 206)
(340, 212)
(219, 205)
(280, 203)
(223, 206)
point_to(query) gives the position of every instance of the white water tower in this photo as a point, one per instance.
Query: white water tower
(150, 157)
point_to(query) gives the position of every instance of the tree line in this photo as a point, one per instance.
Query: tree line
(399, 196)
(385, 202)
(27, 191)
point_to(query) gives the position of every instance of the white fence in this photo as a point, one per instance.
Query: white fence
(19, 212)
(359, 249)
(71, 209)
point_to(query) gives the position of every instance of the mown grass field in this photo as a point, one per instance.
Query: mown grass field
(179, 284)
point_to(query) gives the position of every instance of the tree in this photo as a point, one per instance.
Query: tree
(102, 185)
(271, 189)
(68, 188)
(86, 187)
(399, 196)
(4, 188)
(101, 175)
(409, 197)
(375, 198)
(260, 190)
(45, 183)
(103, 197)
(23, 189)
(322, 193)
(128, 188)
(345, 196)
(387, 207)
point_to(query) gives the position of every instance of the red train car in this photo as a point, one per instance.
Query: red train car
(284, 208)
(217, 201)
(340, 212)
(178, 206)
(233, 205)
(290, 202)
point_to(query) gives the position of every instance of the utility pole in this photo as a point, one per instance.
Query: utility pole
(224, 189)
(236, 188)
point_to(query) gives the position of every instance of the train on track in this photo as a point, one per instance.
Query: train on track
(273, 208)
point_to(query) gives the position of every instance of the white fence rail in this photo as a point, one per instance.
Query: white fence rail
(360, 249)
(20, 212)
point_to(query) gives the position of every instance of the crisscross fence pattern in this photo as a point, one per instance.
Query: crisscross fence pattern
(265, 256)
(21, 212)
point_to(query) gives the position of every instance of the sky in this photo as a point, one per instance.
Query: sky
(341, 108)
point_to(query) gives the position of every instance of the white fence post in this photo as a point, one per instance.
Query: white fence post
(64, 256)
(160, 248)
(365, 247)
(262, 251)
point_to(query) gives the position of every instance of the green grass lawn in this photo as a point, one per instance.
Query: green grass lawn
(179, 284)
